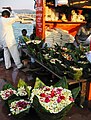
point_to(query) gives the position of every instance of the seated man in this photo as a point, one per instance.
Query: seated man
(83, 35)
(22, 42)
(33, 35)
(23, 38)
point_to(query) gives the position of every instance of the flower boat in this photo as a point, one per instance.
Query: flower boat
(19, 106)
(17, 99)
(52, 102)
(8, 92)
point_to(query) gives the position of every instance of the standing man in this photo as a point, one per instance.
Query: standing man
(7, 38)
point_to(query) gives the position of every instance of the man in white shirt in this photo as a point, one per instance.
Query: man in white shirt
(7, 38)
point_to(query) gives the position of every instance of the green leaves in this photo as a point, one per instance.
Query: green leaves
(7, 86)
(62, 82)
(75, 92)
(38, 83)
(21, 83)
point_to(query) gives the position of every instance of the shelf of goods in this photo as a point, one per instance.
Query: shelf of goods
(47, 17)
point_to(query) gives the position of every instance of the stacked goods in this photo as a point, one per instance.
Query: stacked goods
(58, 36)
(51, 14)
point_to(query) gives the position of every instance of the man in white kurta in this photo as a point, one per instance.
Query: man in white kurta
(7, 39)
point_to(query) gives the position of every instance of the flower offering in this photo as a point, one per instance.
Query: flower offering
(53, 99)
(5, 94)
(19, 106)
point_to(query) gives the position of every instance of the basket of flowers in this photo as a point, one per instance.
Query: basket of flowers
(8, 92)
(19, 107)
(17, 99)
(52, 102)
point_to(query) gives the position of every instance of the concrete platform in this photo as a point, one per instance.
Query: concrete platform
(12, 76)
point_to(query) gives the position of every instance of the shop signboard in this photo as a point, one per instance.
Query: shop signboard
(40, 18)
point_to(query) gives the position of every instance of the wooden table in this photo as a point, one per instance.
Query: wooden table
(83, 83)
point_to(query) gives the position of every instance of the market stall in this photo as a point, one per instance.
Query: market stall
(48, 18)
(49, 14)
(59, 62)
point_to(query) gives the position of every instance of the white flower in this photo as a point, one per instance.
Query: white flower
(47, 56)
(36, 41)
(29, 87)
(76, 69)
(21, 91)
(54, 60)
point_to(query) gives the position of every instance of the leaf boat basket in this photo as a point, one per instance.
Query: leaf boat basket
(21, 114)
(75, 74)
(46, 115)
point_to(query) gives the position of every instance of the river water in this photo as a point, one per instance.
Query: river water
(19, 26)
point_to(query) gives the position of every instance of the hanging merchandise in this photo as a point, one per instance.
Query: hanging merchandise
(60, 2)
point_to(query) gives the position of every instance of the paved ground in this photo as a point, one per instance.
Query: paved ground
(12, 76)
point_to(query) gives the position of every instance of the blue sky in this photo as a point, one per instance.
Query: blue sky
(18, 4)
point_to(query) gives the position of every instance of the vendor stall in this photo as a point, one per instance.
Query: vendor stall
(59, 62)
(49, 16)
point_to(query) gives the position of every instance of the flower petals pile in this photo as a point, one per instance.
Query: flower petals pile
(53, 99)
(17, 107)
(5, 94)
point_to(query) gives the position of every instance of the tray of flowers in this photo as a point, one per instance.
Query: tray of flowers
(9, 92)
(53, 102)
